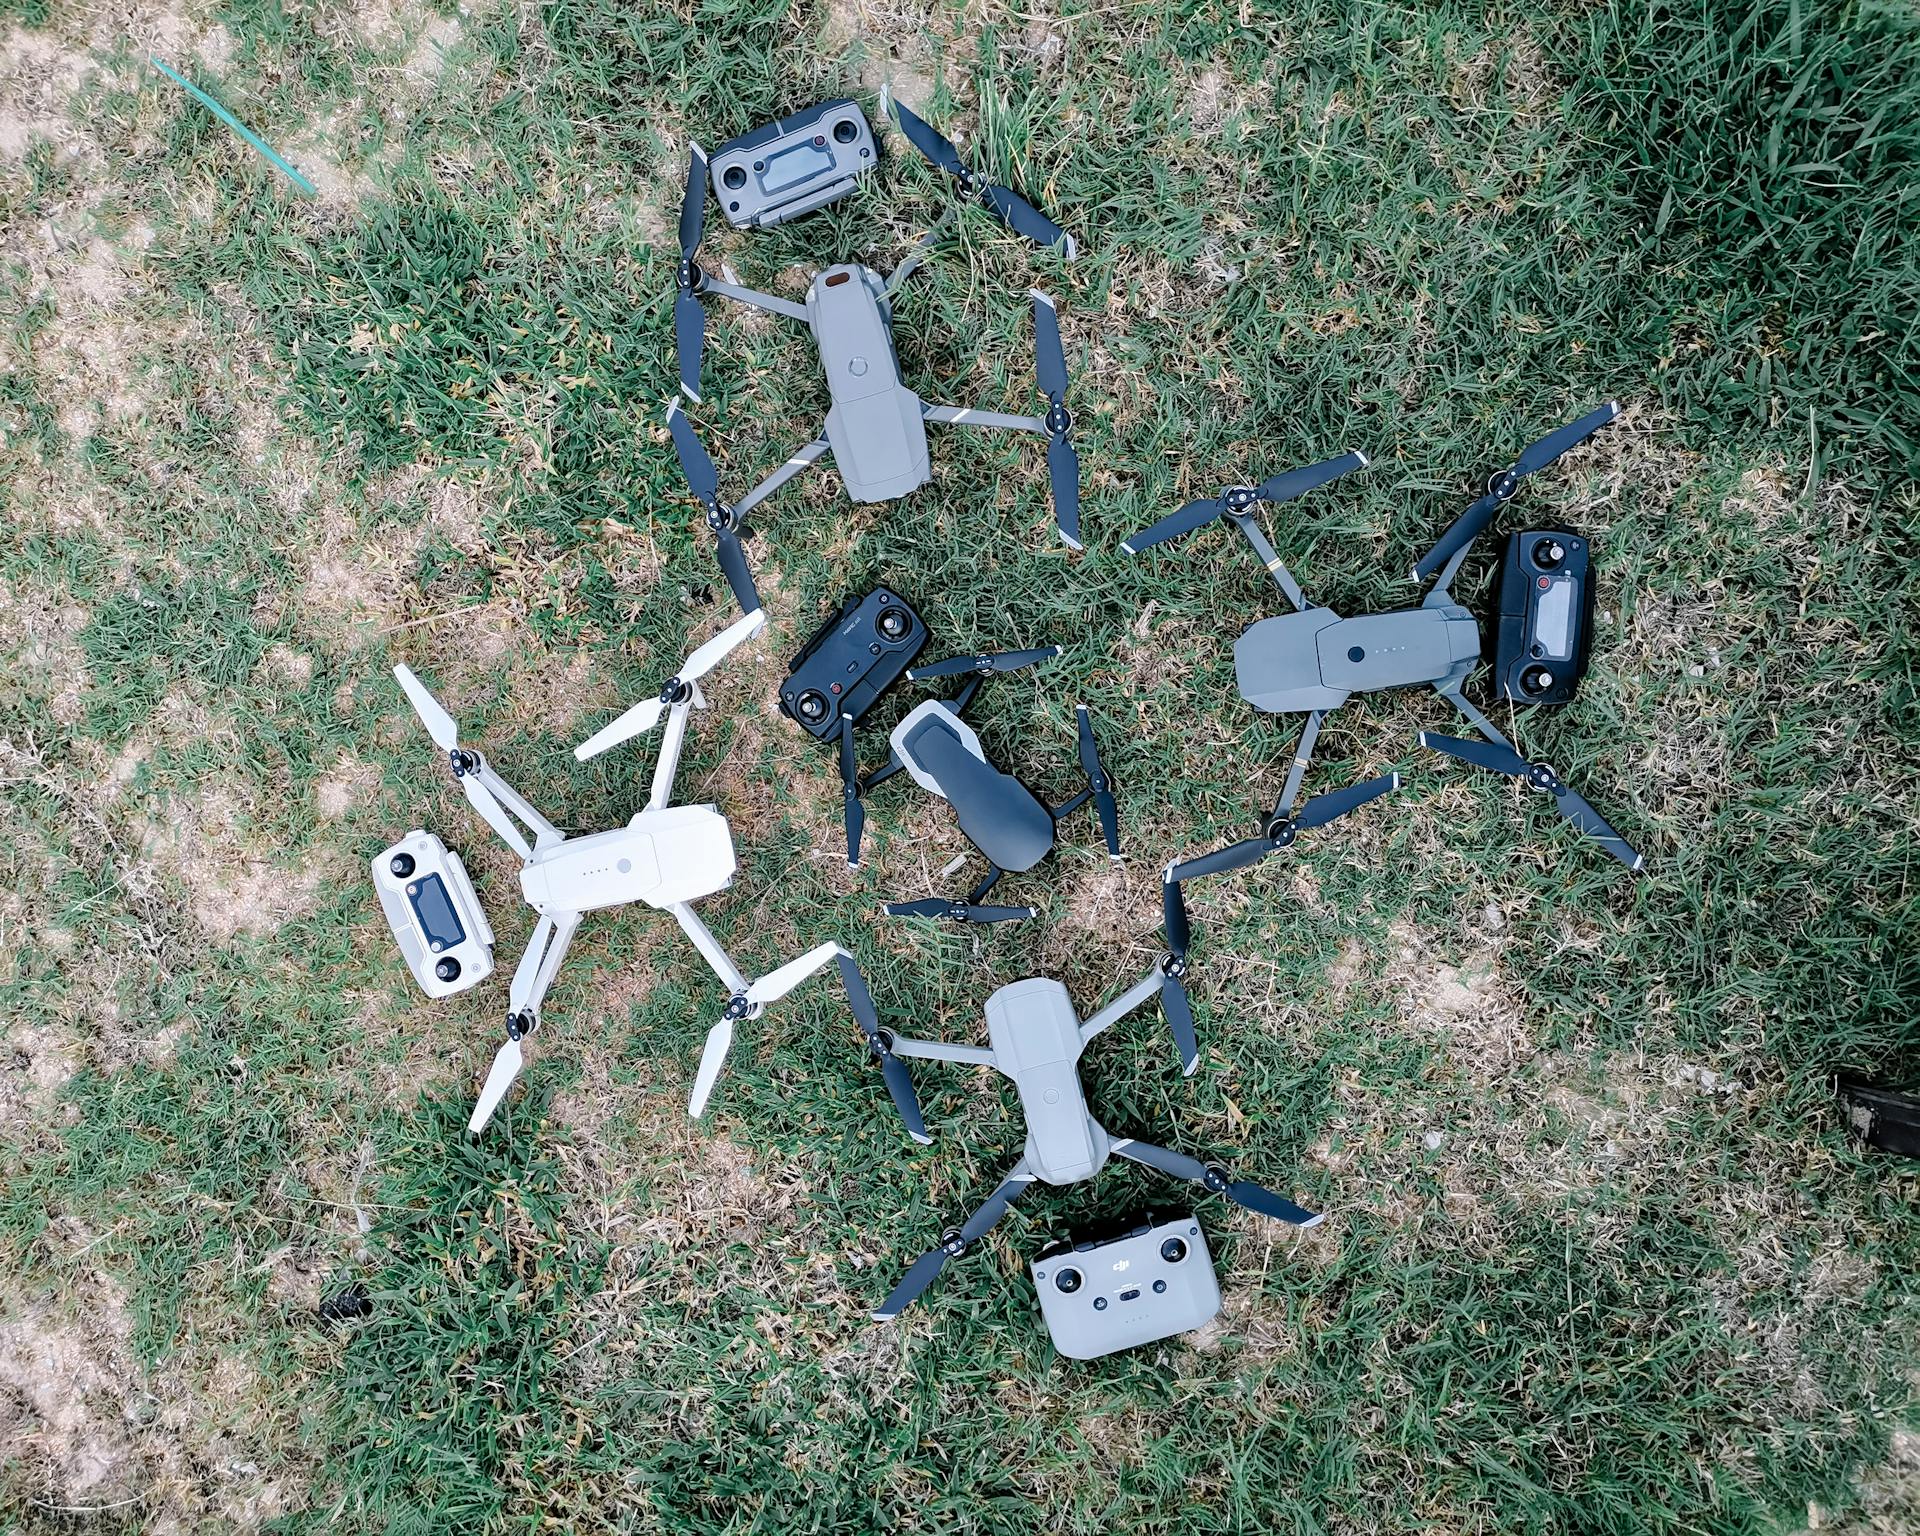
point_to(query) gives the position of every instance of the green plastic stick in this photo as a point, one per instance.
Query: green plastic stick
(232, 122)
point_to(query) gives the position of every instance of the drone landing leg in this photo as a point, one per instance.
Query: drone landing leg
(1282, 577)
(709, 947)
(753, 298)
(546, 948)
(1302, 757)
(796, 461)
(1255, 1197)
(955, 1243)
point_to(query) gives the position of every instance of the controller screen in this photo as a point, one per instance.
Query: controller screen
(435, 913)
(792, 166)
(1553, 621)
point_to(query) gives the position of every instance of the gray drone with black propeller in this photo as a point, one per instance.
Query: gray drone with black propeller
(1012, 828)
(876, 426)
(1037, 1039)
(1312, 660)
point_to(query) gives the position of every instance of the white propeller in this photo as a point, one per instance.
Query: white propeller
(446, 736)
(507, 1062)
(712, 1058)
(645, 715)
(439, 724)
(770, 988)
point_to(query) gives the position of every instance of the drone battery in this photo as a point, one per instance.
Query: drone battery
(855, 657)
(792, 167)
(436, 918)
(1545, 622)
(1109, 1294)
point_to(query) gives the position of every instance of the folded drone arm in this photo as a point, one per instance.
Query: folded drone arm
(667, 766)
(753, 298)
(1141, 992)
(966, 416)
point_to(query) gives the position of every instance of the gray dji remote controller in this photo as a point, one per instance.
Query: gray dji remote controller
(1116, 1293)
(435, 916)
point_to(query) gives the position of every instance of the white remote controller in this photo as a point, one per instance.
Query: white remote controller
(435, 916)
(1115, 1293)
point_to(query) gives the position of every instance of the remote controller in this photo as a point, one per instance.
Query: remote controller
(1545, 621)
(791, 167)
(1115, 1293)
(856, 656)
(435, 916)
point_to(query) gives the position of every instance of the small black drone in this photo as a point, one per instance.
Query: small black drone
(1310, 661)
(876, 425)
(1010, 826)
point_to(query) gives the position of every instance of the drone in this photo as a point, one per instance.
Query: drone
(876, 426)
(667, 856)
(1037, 1040)
(1009, 825)
(1312, 660)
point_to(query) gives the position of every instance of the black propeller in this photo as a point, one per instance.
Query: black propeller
(957, 911)
(1098, 782)
(985, 666)
(955, 1243)
(689, 319)
(1281, 832)
(850, 782)
(1255, 1197)
(1063, 459)
(892, 1068)
(1014, 211)
(1174, 1002)
(1240, 498)
(727, 525)
(1499, 759)
(1469, 524)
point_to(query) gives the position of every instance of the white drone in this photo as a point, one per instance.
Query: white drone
(668, 856)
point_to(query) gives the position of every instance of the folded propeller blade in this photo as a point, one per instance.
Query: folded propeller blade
(1173, 908)
(1101, 785)
(1195, 514)
(689, 318)
(733, 562)
(695, 462)
(1290, 483)
(1178, 1008)
(1234, 856)
(856, 810)
(637, 720)
(958, 911)
(1336, 803)
(898, 1080)
(1000, 661)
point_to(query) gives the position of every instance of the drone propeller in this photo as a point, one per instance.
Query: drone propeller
(1099, 783)
(1243, 1192)
(1280, 833)
(770, 988)
(957, 911)
(728, 527)
(645, 715)
(1000, 661)
(1013, 210)
(1284, 486)
(1469, 524)
(953, 1245)
(1174, 1002)
(892, 1068)
(1063, 459)
(856, 811)
(1499, 759)
(689, 318)
(466, 765)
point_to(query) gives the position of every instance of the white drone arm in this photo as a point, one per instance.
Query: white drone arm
(546, 948)
(489, 794)
(709, 947)
(668, 764)
(1143, 990)
(748, 1004)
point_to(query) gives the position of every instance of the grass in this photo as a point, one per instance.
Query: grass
(1601, 1257)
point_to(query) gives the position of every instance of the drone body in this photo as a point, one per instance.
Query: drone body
(1312, 660)
(875, 427)
(667, 857)
(1037, 1039)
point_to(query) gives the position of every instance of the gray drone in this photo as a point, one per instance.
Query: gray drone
(1310, 661)
(1037, 1040)
(876, 425)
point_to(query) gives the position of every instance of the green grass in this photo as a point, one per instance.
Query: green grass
(1565, 1286)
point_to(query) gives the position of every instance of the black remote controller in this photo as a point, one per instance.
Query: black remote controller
(857, 655)
(1545, 623)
